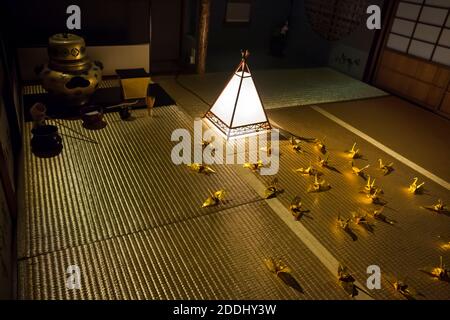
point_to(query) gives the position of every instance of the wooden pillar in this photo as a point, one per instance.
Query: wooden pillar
(379, 41)
(202, 41)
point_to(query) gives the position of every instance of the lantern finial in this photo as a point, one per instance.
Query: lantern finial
(245, 53)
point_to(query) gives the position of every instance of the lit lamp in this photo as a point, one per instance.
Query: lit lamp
(238, 111)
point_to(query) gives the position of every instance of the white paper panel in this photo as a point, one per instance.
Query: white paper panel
(427, 32)
(421, 49)
(249, 108)
(445, 37)
(442, 55)
(398, 42)
(238, 12)
(404, 27)
(434, 16)
(224, 106)
(407, 10)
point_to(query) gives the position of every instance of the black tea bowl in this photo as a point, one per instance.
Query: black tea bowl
(125, 113)
(92, 117)
(46, 142)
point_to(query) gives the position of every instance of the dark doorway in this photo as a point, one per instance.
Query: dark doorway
(165, 36)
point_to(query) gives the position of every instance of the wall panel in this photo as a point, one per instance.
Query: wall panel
(415, 59)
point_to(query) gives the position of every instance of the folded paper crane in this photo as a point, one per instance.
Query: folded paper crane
(238, 111)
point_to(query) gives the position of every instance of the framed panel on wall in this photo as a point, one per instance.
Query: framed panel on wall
(335, 19)
(237, 12)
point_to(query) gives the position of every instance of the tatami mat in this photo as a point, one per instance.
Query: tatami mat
(219, 256)
(125, 183)
(400, 125)
(280, 88)
(400, 250)
(416, 241)
(131, 219)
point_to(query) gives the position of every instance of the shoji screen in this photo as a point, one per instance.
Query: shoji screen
(422, 28)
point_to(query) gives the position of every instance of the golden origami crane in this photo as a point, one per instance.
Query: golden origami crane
(378, 215)
(445, 244)
(296, 208)
(318, 186)
(200, 168)
(295, 143)
(386, 168)
(308, 171)
(402, 288)
(344, 224)
(254, 166)
(320, 145)
(294, 140)
(283, 272)
(439, 207)
(322, 162)
(346, 281)
(276, 267)
(361, 220)
(370, 186)
(416, 188)
(272, 190)
(213, 200)
(359, 171)
(353, 153)
(298, 148)
(357, 218)
(206, 143)
(375, 198)
(440, 272)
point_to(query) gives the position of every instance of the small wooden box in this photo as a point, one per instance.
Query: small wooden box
(134, 83)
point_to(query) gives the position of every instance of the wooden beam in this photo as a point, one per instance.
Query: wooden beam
(202, 41)
(379, 41)
(6, 182)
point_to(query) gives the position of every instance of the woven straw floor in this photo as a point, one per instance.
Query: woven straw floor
(414, 242)
(288, 87)
(131, 220)
(418, 239)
